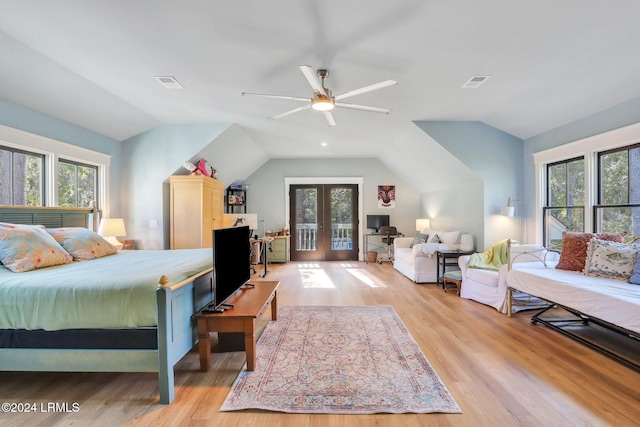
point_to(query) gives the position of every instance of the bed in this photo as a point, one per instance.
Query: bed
(127, 312)
(607, 302)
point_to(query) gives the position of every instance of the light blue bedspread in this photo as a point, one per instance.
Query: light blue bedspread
(116, 291)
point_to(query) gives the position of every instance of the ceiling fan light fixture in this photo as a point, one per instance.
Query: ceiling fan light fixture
(322, 102)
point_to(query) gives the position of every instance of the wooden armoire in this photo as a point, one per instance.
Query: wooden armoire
(196, 208)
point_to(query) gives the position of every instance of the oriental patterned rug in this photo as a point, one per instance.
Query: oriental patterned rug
(339, 360)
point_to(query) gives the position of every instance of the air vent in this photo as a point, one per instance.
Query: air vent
(169, 82)
(475, 81)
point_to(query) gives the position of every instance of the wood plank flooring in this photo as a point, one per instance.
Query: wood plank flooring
(502, 371)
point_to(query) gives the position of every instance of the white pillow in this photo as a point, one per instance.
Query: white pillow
(448, 237)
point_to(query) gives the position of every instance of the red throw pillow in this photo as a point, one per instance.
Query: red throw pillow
(574, 248)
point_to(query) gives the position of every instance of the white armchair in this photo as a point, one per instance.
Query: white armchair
(490, 287)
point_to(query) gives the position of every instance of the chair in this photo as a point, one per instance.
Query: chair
(389, 233)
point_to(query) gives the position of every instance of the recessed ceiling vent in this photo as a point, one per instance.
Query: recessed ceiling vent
(169, 82)
(475, 81)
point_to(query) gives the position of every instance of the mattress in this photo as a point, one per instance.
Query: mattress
(116, 291)
(613, 301)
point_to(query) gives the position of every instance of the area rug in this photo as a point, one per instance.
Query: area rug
(339, 360)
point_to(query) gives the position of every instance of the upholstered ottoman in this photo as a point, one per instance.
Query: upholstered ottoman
(453, 278)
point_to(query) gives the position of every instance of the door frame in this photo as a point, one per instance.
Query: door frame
(288, 181)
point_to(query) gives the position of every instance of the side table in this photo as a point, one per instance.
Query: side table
(446, 259)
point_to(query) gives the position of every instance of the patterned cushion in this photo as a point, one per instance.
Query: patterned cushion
(420, 238)
(83, 244)
(635, 278)
(610, 259)
(574, 248)
(27, 247)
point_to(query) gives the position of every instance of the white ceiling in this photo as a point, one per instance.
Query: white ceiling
(93, 62)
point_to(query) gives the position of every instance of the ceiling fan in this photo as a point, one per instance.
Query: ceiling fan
(323, 99)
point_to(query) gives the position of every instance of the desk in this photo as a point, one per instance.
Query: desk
(366, 242)
(248, 306)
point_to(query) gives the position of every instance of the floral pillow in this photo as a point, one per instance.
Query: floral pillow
(27, 247)
(82, 243)
(574, 248)
(610, 259)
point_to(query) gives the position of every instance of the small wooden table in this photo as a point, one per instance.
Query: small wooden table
(248, 306)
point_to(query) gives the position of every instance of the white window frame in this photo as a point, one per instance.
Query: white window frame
(54, 150)
(589, 148)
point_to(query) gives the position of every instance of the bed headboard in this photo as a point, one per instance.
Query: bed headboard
(50, 217)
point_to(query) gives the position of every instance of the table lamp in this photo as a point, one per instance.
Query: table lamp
(110, 228)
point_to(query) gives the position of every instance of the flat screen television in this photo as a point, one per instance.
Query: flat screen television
(231, 262)
(374, 222)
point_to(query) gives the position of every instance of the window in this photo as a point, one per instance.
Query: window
(77, 184)
(21, 178)
(565, 200)
(618, 207)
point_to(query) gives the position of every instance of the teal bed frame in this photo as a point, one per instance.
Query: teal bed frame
(176, 330)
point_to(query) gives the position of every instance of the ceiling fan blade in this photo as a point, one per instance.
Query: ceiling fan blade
(329, 118)
(312, 78)
(363, 108)
(295, 110)
(366, 89)
(264, 95)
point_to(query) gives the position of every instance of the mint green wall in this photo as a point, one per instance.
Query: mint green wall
(266, 195)
(19, 117)
(496, 157)
(619, 116)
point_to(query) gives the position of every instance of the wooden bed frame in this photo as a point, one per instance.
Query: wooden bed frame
(176, 330)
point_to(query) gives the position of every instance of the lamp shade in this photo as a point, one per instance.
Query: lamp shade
(422, 223)
(112, 227)
(509, 211)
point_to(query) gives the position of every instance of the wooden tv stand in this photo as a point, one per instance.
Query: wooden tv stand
(248, 306)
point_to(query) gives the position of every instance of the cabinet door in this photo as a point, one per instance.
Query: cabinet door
(217, 208)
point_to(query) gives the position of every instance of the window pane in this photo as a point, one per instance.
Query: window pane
(341, 218)
(618, 220)
(634, 175)
(614, 178)
(27, 179)
(306, 219)
(557, 181)
(560, 220)
(575, 183)
(5, 177)
(86, 186)
(66, 185)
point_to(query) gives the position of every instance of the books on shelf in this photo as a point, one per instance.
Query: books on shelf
(238, 187)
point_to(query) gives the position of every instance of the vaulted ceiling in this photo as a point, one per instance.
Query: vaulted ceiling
(93, 63)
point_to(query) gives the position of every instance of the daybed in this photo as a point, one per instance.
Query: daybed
(417, 261)
(126, 312)
(490, 287)
(600, 293)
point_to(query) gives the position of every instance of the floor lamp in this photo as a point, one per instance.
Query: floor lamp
(510, 211)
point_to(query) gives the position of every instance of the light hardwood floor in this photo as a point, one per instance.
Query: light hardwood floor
(502, 371)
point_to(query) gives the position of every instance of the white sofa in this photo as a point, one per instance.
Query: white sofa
(418, 263)
(490, 287)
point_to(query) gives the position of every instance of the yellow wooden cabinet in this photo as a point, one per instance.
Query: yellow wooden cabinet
(196, 209)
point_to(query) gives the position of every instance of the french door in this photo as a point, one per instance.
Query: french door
(324, 222)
